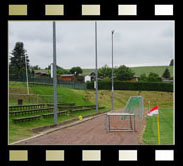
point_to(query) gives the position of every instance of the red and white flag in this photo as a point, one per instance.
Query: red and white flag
(153, 111)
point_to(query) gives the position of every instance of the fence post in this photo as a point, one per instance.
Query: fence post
(37, 100)
(29, 99)
(11, 99)
(33, 99)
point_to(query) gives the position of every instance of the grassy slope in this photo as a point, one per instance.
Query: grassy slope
(68, 95)
(81, 97)
(155, 69)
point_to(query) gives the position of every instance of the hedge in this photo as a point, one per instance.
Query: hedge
(123, 85)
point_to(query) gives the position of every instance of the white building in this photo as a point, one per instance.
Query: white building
(87, 78)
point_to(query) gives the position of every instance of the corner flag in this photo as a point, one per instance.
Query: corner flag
(153, 111)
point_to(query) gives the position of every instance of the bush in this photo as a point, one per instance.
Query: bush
(166, 74)
(124, 85)
(124, 73)
(153, 77)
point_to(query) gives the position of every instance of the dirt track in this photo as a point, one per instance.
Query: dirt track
(91, 132)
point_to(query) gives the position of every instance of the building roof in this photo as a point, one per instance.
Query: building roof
(67, 75)
(41, 73)
(89, 74)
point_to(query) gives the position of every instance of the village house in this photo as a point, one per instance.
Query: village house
(91, 77)
(134, 79)
(66, 77)
(41, 74)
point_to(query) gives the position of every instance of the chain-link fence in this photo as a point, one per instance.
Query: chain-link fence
(49, 81)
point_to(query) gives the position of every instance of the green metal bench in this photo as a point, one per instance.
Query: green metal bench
(62, 104)
(30, 118)
(30, 111)
(23, 107)
(52, 114)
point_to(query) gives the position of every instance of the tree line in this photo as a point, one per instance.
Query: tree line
(125, 73)
(19, 59)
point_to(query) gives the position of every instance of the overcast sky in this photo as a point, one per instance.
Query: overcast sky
(136, 43)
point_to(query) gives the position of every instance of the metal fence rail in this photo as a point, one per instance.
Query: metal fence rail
(32, 99)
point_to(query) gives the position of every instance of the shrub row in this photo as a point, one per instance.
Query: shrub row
(123, 85)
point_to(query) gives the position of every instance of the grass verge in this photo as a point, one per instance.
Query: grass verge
(150, 135)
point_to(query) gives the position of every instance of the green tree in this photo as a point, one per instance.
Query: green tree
(48, 68)
(171, 78)
(166, 74)
(33, 72)
(17, 60)
(76, 70)
(171, 63)
(61, 71)
(153, 77)
(36, 67)
(143, 77)
(106, 79)
(124, 73)
(105, 71)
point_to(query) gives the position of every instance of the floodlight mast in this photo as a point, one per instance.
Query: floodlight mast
(112, 74)
(54, 73)
(27, 78)
(96, 72)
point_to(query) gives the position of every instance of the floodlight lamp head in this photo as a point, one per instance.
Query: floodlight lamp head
(112, 31)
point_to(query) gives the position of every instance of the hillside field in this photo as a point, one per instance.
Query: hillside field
(155, 69)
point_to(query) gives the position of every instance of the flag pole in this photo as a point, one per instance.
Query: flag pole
(158, 128)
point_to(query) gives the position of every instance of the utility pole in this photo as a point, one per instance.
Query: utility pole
(54, 73)
(112, 74)
(96, 72)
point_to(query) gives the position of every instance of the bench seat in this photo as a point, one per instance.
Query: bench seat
(30, 118)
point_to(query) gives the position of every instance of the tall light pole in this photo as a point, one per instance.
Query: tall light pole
(54, 73)
(112, 74)
(96, 72)
(27, 78)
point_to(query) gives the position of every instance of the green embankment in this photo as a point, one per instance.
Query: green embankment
(87, 97)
